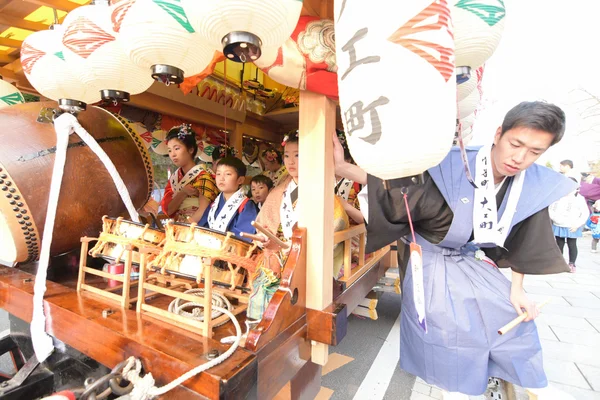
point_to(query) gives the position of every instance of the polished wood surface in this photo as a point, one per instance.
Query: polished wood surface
(289, 302)
(165, 350)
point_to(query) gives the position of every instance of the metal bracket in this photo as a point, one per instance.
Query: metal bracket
(47, 115)
(20, 376)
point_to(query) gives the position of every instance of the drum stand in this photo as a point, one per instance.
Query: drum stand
(124, 299)
(169, 285)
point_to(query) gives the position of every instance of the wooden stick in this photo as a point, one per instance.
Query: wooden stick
(258, 238)
(519, 319)
(269, 235)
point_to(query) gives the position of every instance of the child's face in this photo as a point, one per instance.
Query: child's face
(178, 153)
(290, 159)
(260, 191)
(227, 179)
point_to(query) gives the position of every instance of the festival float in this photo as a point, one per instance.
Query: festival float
(167, 318)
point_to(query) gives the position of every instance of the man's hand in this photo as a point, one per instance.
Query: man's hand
(521, 302)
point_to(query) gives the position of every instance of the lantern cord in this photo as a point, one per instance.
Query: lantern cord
(225, 100)
(64, 125)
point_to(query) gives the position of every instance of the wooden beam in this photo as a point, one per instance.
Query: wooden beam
(8, 75)
(63, 5)
(317, 124)
(10, 42)
(6, 59)
(17, 22)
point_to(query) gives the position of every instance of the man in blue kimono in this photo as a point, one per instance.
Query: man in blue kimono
(466, 233)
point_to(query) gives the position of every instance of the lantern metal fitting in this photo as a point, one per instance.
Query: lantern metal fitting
(241, 46)
(167, 74)
(71, 106)
(462, 74)
(114, 96)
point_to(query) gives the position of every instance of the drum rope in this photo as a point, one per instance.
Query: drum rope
(144, 388)
(64, 125)
(218, 300)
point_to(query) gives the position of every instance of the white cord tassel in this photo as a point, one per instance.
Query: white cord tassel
(64, 125)
(144, 389)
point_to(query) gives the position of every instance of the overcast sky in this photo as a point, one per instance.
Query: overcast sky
(550, 49)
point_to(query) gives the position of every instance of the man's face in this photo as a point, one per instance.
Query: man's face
(564, 168)
(517, 149)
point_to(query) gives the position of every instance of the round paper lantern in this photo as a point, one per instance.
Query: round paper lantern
(467, 121)
(158, 35)
(464, 89)
(469, 104)
(242, 27)
(95, 54)
(9, 95)
(394, 132)
(45, 67)
(158, 142)
(478, 27)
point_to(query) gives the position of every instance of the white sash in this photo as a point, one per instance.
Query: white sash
(486, 227)
(228, 211)
(287, 214)
(343, 187)
(187, 178)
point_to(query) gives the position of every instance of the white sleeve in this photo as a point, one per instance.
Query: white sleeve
(363, 201)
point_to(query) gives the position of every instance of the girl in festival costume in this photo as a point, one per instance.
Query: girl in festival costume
(279, 215)
(451, 338)
(346, 189)
(192, 187)
(593, 223)
(568, 216)
(273, 162)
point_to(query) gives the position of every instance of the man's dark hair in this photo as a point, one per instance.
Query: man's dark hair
(235, 163)
(265, 180)
(537, 115)
(567, 162)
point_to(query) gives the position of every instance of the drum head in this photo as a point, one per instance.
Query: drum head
(8, 248)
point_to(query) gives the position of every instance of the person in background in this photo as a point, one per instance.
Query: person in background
(274, 168)
(566, 168)
(593, 224)
(590, 189)
(568, 216)
(260, 187)
(191, 187)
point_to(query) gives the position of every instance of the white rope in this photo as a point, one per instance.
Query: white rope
(218, 300)
(144, 389)
(64, 125)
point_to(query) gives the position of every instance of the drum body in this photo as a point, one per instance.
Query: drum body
(186, 246)
(87, 192)
(117, 233)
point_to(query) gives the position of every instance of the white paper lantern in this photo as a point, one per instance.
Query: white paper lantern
(478, 27)
(158, 142)
(401, 129)
(9, 95)
(469, 104)
(95, 54)
(242, 27)
(465, 89)
(158, 35)
(467, 122)
(46, 69)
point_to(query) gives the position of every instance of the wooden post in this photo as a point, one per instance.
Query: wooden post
(206, 324)
(235, 139)
(316, 176)
(141, 298)
(82, 263)
(127, 277)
